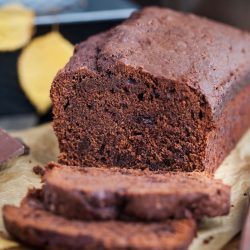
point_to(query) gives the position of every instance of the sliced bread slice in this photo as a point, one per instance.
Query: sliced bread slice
(115, 193)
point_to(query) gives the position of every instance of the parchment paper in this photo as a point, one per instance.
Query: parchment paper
(16, 177)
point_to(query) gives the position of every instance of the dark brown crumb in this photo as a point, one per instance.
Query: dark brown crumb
(38, 170)
(245, 194)
(208, 240)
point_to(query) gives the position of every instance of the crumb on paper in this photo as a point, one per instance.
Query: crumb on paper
(38, 170)
(208, 240)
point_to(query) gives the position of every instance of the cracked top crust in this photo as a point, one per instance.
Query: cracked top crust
(208, 56)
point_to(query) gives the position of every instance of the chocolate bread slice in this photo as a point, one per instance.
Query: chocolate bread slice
(34, 226)
(114, 193)
(163, 90)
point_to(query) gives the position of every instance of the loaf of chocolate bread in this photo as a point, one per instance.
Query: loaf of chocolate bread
(129, 194)
(163, 90)
(33, 225)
